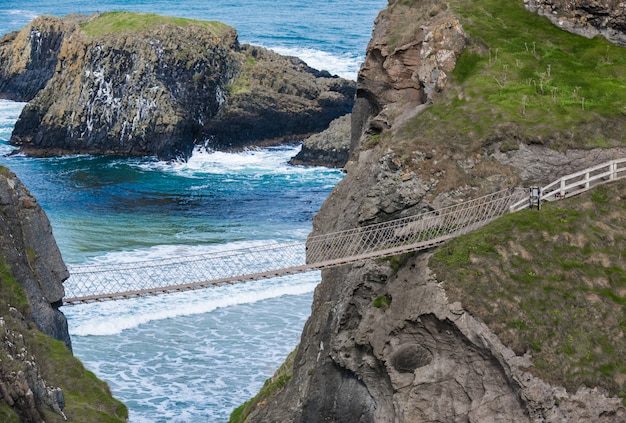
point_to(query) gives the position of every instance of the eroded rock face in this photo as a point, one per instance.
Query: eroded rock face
(29, 249)
(586, 17)
(22, 386)
(405, 68)
(158, 91)
(384, 343)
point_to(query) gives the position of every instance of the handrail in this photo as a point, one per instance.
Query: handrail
(578, 182)
(125, 280)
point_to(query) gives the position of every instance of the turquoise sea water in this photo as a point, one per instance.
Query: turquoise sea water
(192, 357)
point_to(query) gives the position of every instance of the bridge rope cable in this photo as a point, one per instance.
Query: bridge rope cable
(98, 282)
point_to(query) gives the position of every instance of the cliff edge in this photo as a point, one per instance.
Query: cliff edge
(138, 84)
(456, 100)
(40, 380)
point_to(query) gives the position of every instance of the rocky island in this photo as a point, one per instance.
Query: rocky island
(139, 84)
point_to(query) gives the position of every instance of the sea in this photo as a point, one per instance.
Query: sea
(193, 356)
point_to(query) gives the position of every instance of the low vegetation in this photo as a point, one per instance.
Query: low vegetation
(552, 283)
(87, 399)
(383, 302)
(522, 79)
(271, 386)
(117, 22)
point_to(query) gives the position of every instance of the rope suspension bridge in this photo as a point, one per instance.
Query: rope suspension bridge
(100, 282)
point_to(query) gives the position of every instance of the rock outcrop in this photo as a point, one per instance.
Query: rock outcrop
(384, 343)
(158, 90)
(29, 249)
(40, 380)
(587, 18)
(330, 148)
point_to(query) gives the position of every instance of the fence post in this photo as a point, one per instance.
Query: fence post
(613, 170)
(534, 199)
(562, 191)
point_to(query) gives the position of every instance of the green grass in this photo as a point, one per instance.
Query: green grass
(11, 291)
(87, 398)
(382, 302)
(272, 385)
(523, 78)
(120, 22)
(551, 282)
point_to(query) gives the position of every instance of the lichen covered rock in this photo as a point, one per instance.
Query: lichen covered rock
(157, 89)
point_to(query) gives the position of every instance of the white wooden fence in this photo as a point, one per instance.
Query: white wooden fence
(575, 183)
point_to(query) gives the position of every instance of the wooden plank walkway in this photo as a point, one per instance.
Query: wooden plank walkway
(93, 283)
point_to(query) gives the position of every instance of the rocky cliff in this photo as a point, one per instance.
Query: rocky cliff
(39, 378)
(330, 148)
(29, 249)
(587, 18)
(134, 84)
(456, 100)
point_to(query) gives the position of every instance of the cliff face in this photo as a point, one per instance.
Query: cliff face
(39, 378)
(156, 90)
(29, 249)
(384, 342)
(588, 18)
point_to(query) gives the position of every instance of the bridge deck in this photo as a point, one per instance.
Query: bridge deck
(94, 283)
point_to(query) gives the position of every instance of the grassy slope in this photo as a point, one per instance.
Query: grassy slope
(271, 386)
(523, 79)
(87, 398)
(551, 282)
(118, 22)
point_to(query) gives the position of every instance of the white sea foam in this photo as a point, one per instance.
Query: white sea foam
(111, 318)
(160, 252)
(9, 112)
(249, 163)
(346, 66)
(26, 14)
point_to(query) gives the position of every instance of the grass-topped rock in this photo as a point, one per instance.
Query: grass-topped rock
(510, 78)
(551, 283)
(124, 22)
(136, 84)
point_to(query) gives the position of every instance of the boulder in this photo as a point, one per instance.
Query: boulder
(328, 148)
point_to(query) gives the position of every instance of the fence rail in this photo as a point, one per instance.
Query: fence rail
(578, 182)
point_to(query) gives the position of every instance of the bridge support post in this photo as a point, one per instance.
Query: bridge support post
(534, 198)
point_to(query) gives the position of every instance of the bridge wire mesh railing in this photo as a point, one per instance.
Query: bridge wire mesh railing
(124, 280)
(410, 233)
